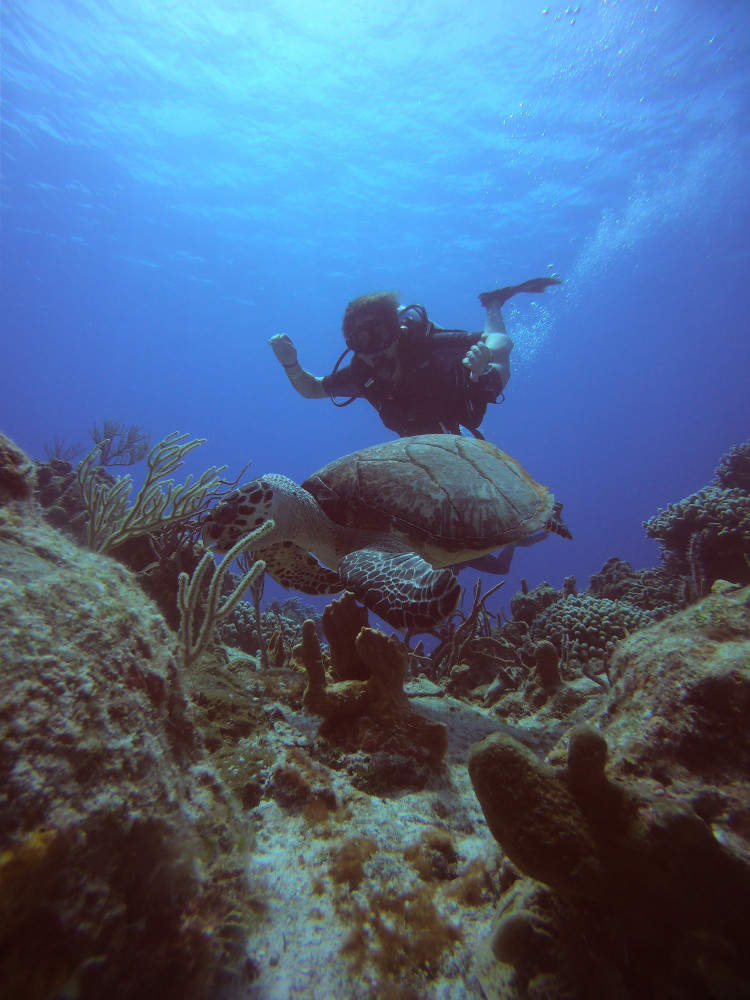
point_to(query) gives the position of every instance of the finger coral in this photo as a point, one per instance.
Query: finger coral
(586, 629)
(706, 537)
(734, 469)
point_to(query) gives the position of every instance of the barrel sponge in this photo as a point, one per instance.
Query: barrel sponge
(649, 863)
(532, 814)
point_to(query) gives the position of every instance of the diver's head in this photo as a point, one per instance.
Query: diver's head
(371, 323)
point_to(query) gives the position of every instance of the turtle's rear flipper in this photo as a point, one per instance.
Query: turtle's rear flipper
(501, 295)
(499, 563)
(555, 523)
(400, 587)
(294, 568)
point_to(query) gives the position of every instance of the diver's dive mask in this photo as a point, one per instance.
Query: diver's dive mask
(370, 339)
(375, 339)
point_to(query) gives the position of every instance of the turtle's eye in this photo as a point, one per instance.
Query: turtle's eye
(225, 512)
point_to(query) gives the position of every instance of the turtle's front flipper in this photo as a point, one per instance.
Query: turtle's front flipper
(296, 569)
(400, 587)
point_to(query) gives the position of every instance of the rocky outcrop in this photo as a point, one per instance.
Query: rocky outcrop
(120, 869)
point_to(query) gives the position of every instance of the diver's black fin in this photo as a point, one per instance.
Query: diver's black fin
(501, 295)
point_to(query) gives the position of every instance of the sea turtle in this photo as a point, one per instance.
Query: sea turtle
(389, 522)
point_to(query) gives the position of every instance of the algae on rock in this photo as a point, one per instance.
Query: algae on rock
(121, 863)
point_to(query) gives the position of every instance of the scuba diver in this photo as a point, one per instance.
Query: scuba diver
(421, 378)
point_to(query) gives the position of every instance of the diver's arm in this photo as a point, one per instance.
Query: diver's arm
(491, 351)
(306, 384)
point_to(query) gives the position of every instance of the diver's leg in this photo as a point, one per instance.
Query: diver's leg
(494, 322)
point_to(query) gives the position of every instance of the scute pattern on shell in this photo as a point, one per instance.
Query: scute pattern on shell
(443, 491)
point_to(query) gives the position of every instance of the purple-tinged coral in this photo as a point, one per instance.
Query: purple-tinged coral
(706, 537)
(734, 469)
(16, 473)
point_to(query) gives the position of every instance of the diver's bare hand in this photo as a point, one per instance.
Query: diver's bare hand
(477, 360)
(284, 349)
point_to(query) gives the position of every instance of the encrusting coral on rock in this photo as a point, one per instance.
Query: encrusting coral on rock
(121, 873)
(651, 854)
(17, 475)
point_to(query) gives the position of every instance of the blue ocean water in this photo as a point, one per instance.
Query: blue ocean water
(181, 181)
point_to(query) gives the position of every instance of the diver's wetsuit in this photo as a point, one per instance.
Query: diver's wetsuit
(435, 393)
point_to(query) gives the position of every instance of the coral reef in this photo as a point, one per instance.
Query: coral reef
(342, 621)
(374, 715)
(655, 590)
(553, 660)
(524, 607)
(673, 895)
(651, 851)
(196, 602)
(469, 637)
(706, 537)
(59, 495)
(733, 472)
(679, 703)
(281, 626)
(585, 629)
(133, 778)
(111, 521)
(158, 559)
(17, 477)
(117, 836)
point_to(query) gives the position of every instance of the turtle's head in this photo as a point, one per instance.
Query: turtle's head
(243, 510)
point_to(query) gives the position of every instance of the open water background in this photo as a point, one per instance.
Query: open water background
(183, 180)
